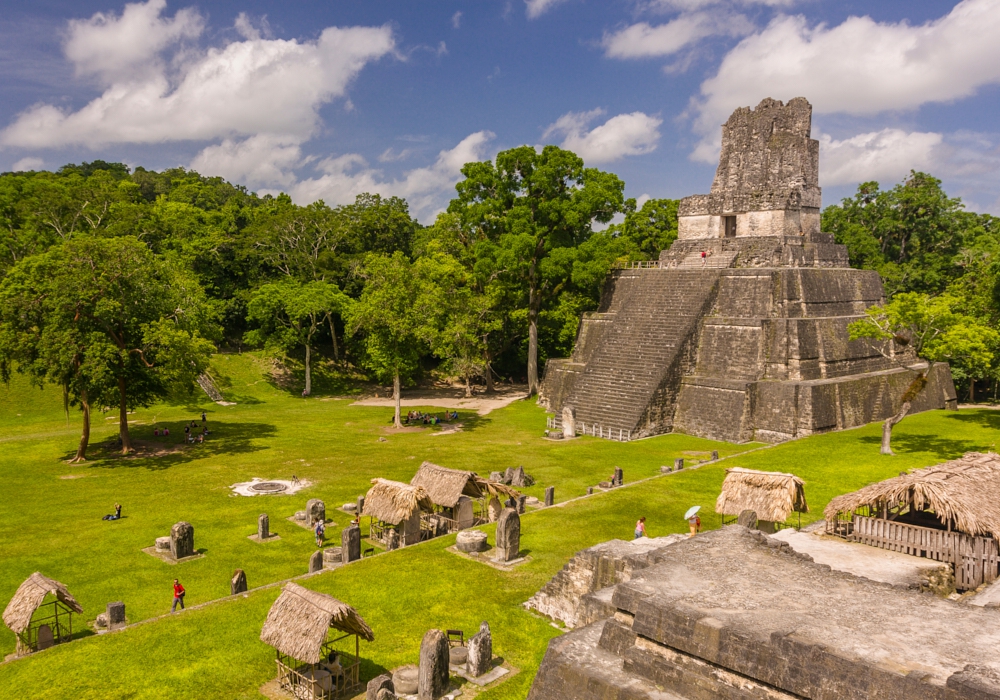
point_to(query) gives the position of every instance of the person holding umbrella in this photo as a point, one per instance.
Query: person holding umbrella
(694, 522)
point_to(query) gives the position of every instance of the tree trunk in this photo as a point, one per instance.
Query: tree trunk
(123, 418)
(532, 347)
(309, 384)
(65, 389)
(916, 386)
(81, 451)
(489, 373)
(468, 387)
(333, 335)
(972, 391)
(396, 395)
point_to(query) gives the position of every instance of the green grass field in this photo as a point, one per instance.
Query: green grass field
(53, 524)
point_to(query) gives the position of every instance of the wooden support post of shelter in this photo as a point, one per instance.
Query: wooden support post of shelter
(310, 665)
(53, 626)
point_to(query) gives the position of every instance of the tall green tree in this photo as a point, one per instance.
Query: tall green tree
(917, 331)
(390, 318)
(530, 210)
(288, 313)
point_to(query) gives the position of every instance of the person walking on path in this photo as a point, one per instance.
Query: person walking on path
(640, 527)
(694, 525)
(320, 531)
(178, 595)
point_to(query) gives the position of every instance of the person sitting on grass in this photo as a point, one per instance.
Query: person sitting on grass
(166, 432)
(116, 515)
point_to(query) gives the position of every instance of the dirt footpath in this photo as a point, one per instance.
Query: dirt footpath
(451, 397)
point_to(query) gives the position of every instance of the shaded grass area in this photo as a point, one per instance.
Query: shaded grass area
(53, 525)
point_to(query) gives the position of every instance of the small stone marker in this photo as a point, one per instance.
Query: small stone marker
(458, 656)
(471, 541)
(404, 680)
(162, 544)
(182, 540)
(385, 694)
(383, 682)
(480, 651)
(493, 509)
(522, 501)
(263, 526)
(432, 681)
(715, 455)
(116, 615)
(350, 507)
(568, 422)
(101, 620)
(747, 518)
(590, 490)
(300, 515)
(361, 505)
(238, 584)
(666, 470)
(550, 495)
(619, 476)
(316, 562)
(464, 515)
(315, 511)
(508, 475)
(517, 478)
(508, 536)
(44, 638)
(679, 463)
(496, 477)
(332, 556)
(350, 543)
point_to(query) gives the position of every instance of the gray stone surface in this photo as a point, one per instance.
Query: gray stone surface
(350, 543)
(678, 463)
(432, 682)
(238, 584)
(458, 655)
(747, 518)
(750, 342)
(715, 455)
(550, 495)
(386, 694)
(361, 505)
(101, 620)
(619, 476)
(315, 562)
(522, 502)
(508, 544)
(182, 540)
(481, 651)
(115, 615)
(315, 511)
(590, 490)
(162, 544)
(300, 515)
(471, 541)
(405, 680)
(263, 526)
(378, 683)
(735, 614)
(332, 556)
(496, 477)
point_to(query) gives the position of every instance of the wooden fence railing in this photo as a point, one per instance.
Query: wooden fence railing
(976, 559)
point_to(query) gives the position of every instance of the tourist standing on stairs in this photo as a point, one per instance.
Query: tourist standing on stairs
(640, 527)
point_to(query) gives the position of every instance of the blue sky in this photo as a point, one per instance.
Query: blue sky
(328, 99)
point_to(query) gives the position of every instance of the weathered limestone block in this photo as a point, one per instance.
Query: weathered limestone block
(315, 562)
(481, 651)
(350, 543)
(263, 526)
(238, 584)
(508, 476)
(162, 544)
(101, 620)
(182, 540)
(493, 509)
(383, 682)
(315, 511)
(458, 655)
(405, 680)
(747, 518)
(508, 536)
(678, 463)
(386, 694)
(300, 515)
(568, 422)
(332, 556)
(619, 476)
(522, 502)
(361, 505)
(550, 495)
(471, 541)
(115, 613)
(464, 513)
(517, 477)
(496, 477)
(432, 681)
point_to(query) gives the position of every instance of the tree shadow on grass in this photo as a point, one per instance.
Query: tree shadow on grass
(984, 417)
(941, 448)
(467, 421)
(159, 453)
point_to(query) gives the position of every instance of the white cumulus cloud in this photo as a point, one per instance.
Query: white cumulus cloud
(859, 67)
(631, 134)
(886, 156)
(245, 88)
(29, 163)
(536, 8)
(264, 160)
(643, 40)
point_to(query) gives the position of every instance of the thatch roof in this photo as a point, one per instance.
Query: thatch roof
(393, 501)
(29, 595)
(298, 622)
(963, 490)
(445, 486)
(772, 495)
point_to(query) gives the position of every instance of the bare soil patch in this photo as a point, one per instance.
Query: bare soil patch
(451, 397)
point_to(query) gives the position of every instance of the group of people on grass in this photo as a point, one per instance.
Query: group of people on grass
(429, 418)
(694, 526)
(191, 430)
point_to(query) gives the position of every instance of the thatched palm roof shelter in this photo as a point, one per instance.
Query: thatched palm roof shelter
(298, 622)
(28, 598)
(772, 495)
(963, 491)
(394, 502)
(445, 486)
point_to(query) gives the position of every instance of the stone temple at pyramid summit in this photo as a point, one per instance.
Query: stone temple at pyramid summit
(739, 331)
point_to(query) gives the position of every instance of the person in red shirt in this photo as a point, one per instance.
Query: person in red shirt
(178, 595)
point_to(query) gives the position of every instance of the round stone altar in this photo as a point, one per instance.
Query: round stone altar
(471, 541)
(162, 544)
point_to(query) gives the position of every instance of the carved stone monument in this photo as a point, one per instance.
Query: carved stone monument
(350, 544)
(263, 527)
(464, 515)
(383, 682)
(550, 495)
(508, 536)
(315, 511)
(115, 615)
(619, 476)
(432, 682)
(316, 562)
(182, 540)
(238, 584)
(739, 331)
(361, 506)
(480, 652)
(568, 422)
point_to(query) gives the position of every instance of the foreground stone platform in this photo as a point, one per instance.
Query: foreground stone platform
(734, 614)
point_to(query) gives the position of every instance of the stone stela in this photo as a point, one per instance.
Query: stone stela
(738, 331)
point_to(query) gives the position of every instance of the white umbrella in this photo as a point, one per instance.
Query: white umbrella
(691, 512)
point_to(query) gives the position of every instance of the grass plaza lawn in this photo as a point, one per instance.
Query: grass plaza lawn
(53, 524)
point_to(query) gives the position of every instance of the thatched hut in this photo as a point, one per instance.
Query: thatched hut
(460, 497)
(773, 496)
(53, 626)
(394, 509)
(948, 512)
(310, 667)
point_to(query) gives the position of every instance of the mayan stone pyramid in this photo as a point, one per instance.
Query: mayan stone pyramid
(739, 331)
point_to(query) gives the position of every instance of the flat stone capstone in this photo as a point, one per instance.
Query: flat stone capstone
(471, 541)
